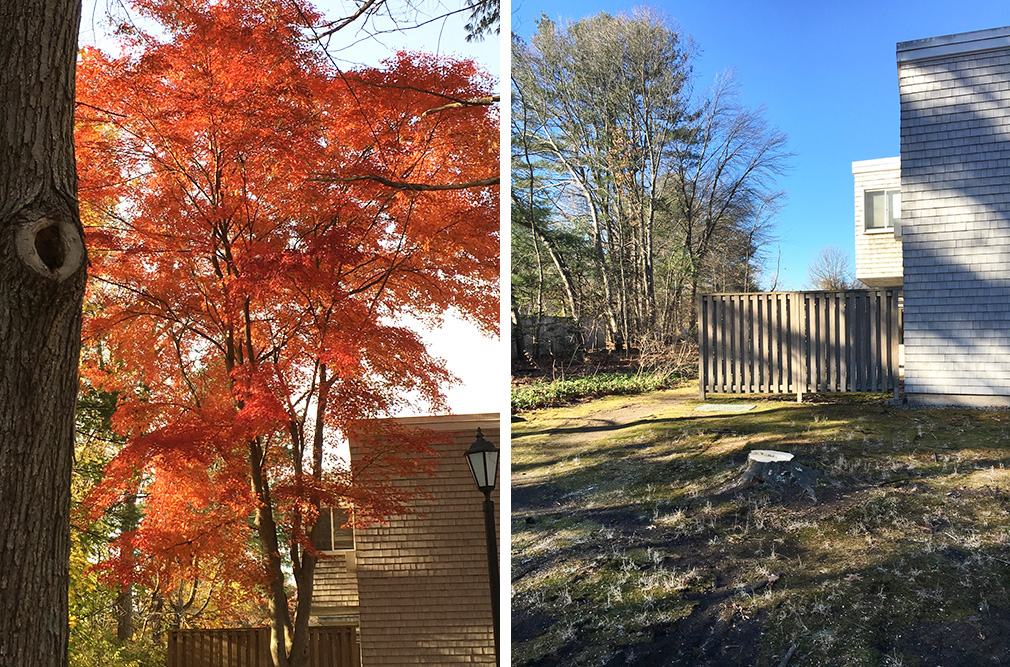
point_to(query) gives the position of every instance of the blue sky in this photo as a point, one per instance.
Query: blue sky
(825, 72)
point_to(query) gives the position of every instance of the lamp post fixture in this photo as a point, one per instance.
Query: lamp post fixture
(483, 460)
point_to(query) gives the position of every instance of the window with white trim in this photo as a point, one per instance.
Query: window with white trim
(881, 209)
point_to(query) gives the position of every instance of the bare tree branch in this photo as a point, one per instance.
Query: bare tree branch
(462, 104)
(343, 23)
(412, 187)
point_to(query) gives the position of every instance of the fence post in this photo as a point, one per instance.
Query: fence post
(895, 352)
(796, 323)
(702, 347)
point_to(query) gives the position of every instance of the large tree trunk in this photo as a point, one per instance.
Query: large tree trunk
(42, 275)
(266, 528)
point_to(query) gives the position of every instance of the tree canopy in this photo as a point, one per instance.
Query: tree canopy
(670, 191)
(255, 242)
(831, 269)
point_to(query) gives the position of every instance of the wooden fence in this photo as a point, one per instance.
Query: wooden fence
(799, 342)
(250, 647)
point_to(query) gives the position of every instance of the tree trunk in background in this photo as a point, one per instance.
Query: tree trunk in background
(124, 614)
(157, 618)
(42, 275)
(124, 601)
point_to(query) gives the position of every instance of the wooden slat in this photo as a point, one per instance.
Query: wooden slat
(862, 346)
(247, 647)
(730, 307)
(759, 351)
(830, 340)
(703, 356)
(781, 332)
(767, 324)
(874, 383)
(809, 313)
(771, 383)
(840, 341)
(798, 342)
(746, 340)
(894, 336)
(719, 351)
(825, 342)
(742, 341)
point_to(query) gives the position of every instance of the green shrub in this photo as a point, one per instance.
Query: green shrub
(538, 395)
(102, 650)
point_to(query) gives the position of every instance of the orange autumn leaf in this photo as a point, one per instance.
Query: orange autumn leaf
(246, 285)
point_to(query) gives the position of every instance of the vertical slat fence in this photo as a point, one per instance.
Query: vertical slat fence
(329, 646)
(799, 342)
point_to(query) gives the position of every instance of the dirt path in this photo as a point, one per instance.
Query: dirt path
(566, 431)
(580, 423)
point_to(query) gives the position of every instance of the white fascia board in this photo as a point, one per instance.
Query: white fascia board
(880, 164)
(948, 45)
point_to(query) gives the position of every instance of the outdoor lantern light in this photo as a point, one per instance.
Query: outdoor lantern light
(483, 460)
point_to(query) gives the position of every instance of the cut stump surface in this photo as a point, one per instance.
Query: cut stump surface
(779, 471)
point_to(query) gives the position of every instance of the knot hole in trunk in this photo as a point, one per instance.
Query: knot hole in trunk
(49, 246)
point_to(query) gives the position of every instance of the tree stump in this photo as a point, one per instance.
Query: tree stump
(778, 471)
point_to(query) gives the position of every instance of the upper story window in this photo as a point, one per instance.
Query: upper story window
(881, 209)
(329, 534)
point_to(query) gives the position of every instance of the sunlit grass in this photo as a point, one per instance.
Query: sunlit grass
(621, 531)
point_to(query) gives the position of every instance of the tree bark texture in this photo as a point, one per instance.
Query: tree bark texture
(42, 276)
(266, 528)
(124, 600)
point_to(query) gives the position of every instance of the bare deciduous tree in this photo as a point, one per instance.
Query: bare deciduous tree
(831, 269)
(655, 182)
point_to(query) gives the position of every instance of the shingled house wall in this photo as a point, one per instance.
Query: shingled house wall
(878, 251)
(955, 182)
(335, 590)
(423, 579)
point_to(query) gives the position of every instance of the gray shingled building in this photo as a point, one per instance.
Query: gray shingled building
(950, 217)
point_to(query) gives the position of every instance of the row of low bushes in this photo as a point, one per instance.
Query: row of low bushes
(547, 394)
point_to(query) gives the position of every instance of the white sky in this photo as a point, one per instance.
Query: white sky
(473, 358)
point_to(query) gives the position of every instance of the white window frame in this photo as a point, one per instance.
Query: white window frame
(893, 222)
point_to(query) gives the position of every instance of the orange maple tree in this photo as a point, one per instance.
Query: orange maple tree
(259, 223)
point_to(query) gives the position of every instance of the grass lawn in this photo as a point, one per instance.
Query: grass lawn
(628, 550)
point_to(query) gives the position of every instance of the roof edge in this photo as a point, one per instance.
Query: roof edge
(448, 422)
(879, 164)
(956, 44)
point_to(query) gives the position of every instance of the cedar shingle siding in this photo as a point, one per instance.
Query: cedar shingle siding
(955, 182)
(422, 579)
(878, 252)
(335, 590)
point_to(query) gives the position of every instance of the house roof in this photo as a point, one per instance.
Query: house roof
(450, 422)
(947, 45)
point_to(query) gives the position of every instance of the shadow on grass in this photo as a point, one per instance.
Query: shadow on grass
(627, 549)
